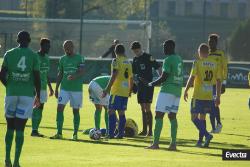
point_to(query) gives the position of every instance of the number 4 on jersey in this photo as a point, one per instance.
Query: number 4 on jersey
(21, 64)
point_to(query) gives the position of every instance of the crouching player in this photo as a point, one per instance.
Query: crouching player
(205, 72)
(120, 86)
(168, 99)
(96, 87)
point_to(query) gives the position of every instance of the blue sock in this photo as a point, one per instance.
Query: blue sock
(112, 124)
(203, 128)
(196, 122)
(212, 119)
(121, 127)
(201, 135)
(217, 115)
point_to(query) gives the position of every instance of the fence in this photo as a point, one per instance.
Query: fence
(237, 71)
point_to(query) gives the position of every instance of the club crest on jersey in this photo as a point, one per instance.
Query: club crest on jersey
(142, 66)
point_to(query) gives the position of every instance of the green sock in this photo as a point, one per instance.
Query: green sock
(107, 120)
(8, 143)
(157, 131)
(36, 118)
(19, 145)
(174, 126)
(97, 119)
(76, 121)
(59, 120)
(40, 115)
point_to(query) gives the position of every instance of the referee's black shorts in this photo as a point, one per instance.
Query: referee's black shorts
(145, 94)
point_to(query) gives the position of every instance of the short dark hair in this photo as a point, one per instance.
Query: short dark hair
(119, 49)
(44, 41)
(214, 36)
(23, 36)
(135, 45)
(169, 43)
(204, 48)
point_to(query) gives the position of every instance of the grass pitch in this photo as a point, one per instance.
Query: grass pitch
(40, 152)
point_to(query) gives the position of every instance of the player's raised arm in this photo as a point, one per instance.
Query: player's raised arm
(190, 81)
(188, 85)
(112, 79)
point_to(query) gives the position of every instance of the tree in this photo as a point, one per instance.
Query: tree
(112, 9)
(240, 42)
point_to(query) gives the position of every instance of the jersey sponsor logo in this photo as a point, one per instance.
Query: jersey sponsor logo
(208, 64)
(125, 84)
(207, 88)
(126, 62)
(24, 77)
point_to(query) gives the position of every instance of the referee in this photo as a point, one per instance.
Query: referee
(142, 70)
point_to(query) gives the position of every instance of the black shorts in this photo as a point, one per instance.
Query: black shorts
(145, 94)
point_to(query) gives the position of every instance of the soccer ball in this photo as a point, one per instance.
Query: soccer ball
(131, 128)
(95, 134)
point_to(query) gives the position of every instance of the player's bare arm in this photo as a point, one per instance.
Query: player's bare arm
(159, 80)
(58, 82)
(51, 91)
(218, 92)
(3, 74)
(188, 85)
(78, 74)
(111, 81)
(37, 82)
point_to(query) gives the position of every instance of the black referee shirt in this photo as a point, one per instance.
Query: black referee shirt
(142, 66)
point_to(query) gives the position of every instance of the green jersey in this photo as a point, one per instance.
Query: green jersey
(69, 65)
(173, 66)
(20, 64)
(102, 81)
(44, 70)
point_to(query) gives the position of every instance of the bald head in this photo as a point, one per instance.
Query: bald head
(68, 47)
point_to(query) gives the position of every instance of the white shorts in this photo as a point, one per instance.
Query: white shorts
(18, 107)
(167, 103)
(95, 94)
(43, 96)
(75, 98)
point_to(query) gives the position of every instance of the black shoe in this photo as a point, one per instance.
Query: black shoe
(8, 164)
(119, 137)
(35, 133)
(143, 133)
(149, 134)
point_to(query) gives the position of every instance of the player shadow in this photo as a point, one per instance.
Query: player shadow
(191, 143)
(44, 127)
(239, 135)
(102, 141)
